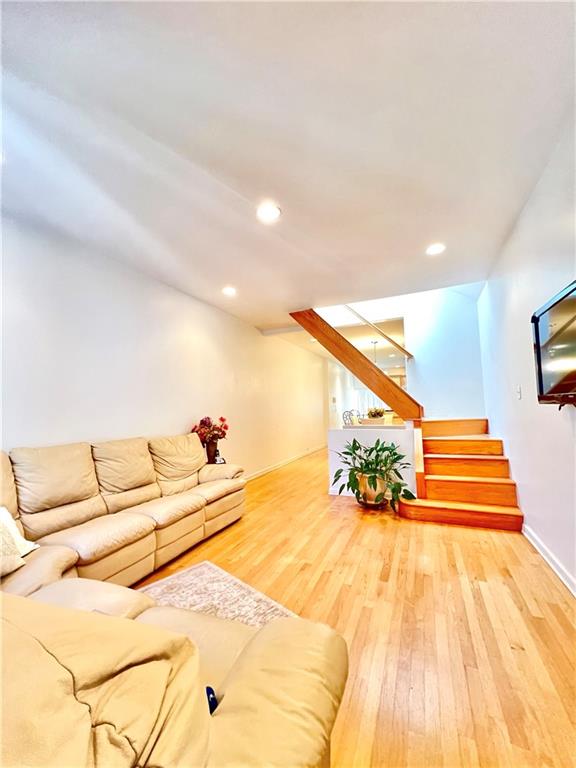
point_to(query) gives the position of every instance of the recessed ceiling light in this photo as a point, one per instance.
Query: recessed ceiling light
(229, 290)
(268, 212)
(435, 249)
(391, 355)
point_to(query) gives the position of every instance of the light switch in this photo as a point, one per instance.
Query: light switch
(519, 391)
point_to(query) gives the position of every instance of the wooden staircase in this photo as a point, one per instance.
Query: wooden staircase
(466, 478)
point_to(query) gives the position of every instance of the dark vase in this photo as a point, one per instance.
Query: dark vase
(211, 451)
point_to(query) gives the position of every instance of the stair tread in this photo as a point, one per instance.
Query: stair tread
(467, 418)
(482, 436)
(472, 479)
(465, 456)
(464, 506)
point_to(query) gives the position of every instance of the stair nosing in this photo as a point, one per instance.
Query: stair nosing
(472, 479)
(497, 509)
(483, 436)
(466, 456)
(467, 418)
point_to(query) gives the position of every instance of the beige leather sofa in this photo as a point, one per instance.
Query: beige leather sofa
(125, 507)
(118, 680)
(128, 688)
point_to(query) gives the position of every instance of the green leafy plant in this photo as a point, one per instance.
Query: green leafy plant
(379, 465)
(375, 413)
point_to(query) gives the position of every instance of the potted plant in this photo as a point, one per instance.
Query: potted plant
(373, 473)
(377, 415)
(210, 432)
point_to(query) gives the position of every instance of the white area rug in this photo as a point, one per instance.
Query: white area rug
(209, 589)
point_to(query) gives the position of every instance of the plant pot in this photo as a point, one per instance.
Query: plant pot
(212, 451)
(368, 494)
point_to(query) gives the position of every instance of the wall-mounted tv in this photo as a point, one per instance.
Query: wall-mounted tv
(554, 327)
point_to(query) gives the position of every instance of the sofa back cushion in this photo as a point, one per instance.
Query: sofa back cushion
(57, 487)
(8, 497)
(125, 473)
(177, 461)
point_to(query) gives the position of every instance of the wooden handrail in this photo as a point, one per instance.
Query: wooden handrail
(364, 369)
(390, 340)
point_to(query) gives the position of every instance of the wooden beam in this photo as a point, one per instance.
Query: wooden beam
(389, 339)
(359, 365)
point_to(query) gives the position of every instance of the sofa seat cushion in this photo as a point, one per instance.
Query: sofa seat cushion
(170, 509)
(126, 566)
(99, 596)
(176, 539)
(216, 489)
(219, 641)
(97, 538)
(42, 566)
(224, 504)
(290, 679)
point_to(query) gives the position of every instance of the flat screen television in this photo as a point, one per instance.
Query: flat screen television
(554, 327)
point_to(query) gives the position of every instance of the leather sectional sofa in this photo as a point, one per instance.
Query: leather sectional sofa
(125, 507)
(118, 680)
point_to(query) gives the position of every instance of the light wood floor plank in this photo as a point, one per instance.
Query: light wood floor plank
(462, 641)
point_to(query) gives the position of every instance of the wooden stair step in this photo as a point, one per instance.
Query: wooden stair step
(449, 427)
(476, 490)
(497, 517)
(478, 445)
(466, 464)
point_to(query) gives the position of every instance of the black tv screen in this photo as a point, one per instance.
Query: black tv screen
(554, 327)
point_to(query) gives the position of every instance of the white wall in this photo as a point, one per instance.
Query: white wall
(346, 393)
(537, 261)
(441, 331)
(93, 350)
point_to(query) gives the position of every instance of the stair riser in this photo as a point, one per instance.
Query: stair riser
(496, 467)
(454, 517)
(485, 447)
(454, 427)
(475, 493)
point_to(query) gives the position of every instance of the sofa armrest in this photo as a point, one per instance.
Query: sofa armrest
(280, 699)
(43, 566)
(211, 472)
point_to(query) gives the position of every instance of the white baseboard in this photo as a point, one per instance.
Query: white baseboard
(283, 463)
(565, 577)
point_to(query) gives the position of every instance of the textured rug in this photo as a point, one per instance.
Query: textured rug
(209, 589)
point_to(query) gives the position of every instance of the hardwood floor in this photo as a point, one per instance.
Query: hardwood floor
(461, 640)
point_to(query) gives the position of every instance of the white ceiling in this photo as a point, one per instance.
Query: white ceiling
(151, 131)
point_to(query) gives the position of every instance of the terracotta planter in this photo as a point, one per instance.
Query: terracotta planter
(366, 489)
(211, 451)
